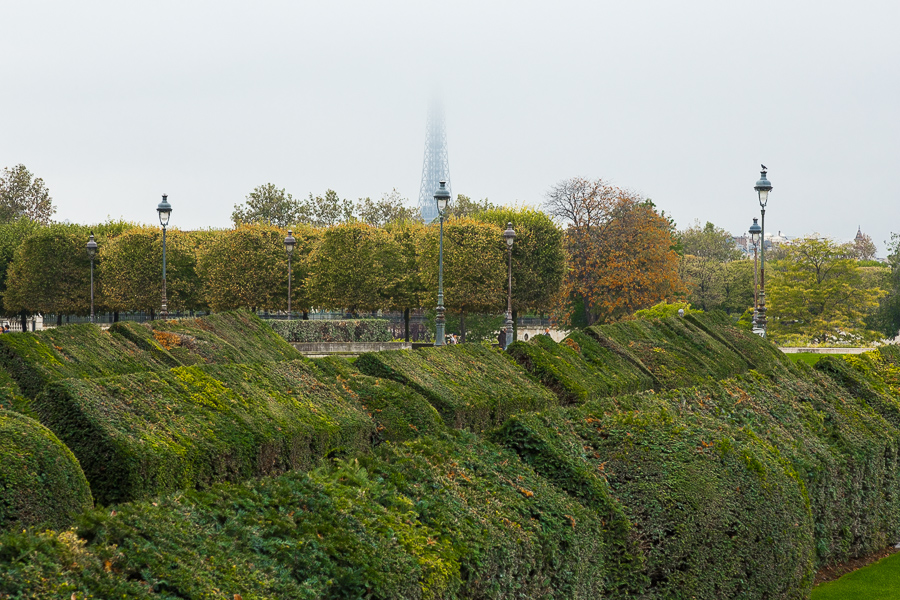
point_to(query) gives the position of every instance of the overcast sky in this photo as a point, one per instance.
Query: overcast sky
(114, 103)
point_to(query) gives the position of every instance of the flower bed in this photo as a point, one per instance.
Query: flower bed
(472, 386)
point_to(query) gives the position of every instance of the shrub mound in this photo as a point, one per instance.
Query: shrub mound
(676, 352)
(448, 517)
(579, 369)
(472, 386)
(399, 412)
(40, 480)
(150, 433)
(237, 336)
(358, 330)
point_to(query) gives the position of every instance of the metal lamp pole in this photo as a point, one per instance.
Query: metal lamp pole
(510, 236)
(92, 251)
(289, 243)
(441, 197)
(755, 231)
(762, 187)
(165, 211)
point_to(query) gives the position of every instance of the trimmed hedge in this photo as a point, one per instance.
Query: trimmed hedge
(578, 369)
(676, 352)
(40, 480)
(11, 397)
(73, 351)
(357, 330)
(472, 386)
(399, 412)
(450, 517)
(146, 434)
(236, 336)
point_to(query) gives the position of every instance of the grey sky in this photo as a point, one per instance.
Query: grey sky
(114, 103)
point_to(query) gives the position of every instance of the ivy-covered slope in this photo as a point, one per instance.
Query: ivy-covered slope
(472, 386)
(151, 433)
(41, 483)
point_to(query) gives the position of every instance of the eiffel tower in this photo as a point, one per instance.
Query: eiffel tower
(436, 165)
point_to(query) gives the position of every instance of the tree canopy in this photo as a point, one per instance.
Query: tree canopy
(24, 195)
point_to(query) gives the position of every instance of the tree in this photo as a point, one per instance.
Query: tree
(11, 236)
(130, 270)
(886, 318)
(330, 209)
(272, 206)
(23, 195)
(474, 267)
(620, 251)
(707, 251)
(392, 208)
(406, 285)
(863, 246)
(347, 270)
(464, 206)
(538, 257)
(246, 267)
(818, 292)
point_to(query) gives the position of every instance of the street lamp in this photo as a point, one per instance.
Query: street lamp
(755, 233)
(289, 243)
(762, 187)
(510, 236)
(92, 252)
(441, 197)
(165, 211)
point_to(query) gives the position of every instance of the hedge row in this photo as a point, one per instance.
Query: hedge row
(441, 517)
(151, 433)
(399, 412)
(359, 330)
(472, 386)
(40, 480)
(579, 369)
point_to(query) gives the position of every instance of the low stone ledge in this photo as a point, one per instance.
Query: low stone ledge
(325, 348)
(825, 350)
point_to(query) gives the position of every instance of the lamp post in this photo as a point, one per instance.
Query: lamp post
(510, 236)
(755, 231)
(165, 211)
(289, 243)
(762, 187)
(92, 251)
(441, 197)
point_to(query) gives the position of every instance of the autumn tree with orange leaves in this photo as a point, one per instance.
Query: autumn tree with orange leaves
(619, 252)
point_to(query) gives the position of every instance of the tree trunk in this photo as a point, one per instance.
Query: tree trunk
(515, 331)
(151, 314)
(406, 324)
(306, 315)
(462, 328)
(23, 318)
(59, 320)
(116, 317)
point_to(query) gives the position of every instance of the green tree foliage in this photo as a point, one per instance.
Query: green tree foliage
(707, 252)
(886, 318)
(538, 257)
(11, 236)
(130, 270)
(406, 285)
(474, 267)
(464, 206)
(246, 267)
(272, 206)
(329, 209)
(350, 268)
(392, 208)
(50, 273)
(24, 195)
(818, 292)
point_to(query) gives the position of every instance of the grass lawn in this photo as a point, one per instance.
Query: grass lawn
(878, 581)
(810, 358)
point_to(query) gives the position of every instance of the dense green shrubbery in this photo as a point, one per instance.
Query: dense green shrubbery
(759, 354)
(399, 412)
(152, 433)
(677, 353)
(11, 397)
(358, 330)
(236, 336)
(472, 386)
(450, 517)
(73, 351)
(579, 369)
(40, 480)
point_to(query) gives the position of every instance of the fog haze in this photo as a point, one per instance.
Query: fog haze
(113, 104)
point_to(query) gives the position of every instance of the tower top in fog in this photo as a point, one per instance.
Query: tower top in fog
(436, 165)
